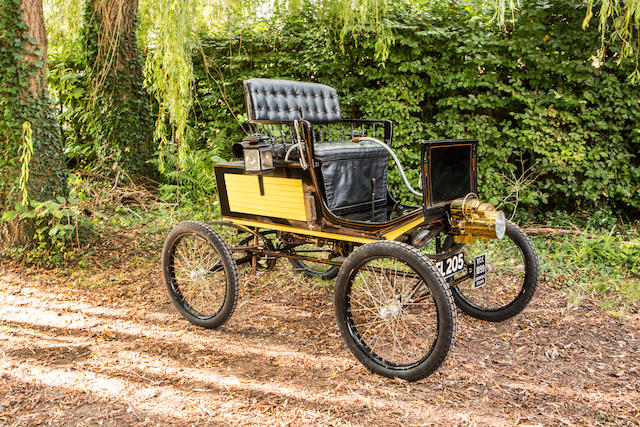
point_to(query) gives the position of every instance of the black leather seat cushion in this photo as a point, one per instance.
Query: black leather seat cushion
(347, 169)
(346, 150)
(284, 100)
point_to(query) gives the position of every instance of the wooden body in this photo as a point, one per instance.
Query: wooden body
(287, 199)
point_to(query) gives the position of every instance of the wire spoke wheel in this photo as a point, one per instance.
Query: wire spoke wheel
(394, 310)
(511, 277)
(314, 269)
(200, 274)
(384, 314)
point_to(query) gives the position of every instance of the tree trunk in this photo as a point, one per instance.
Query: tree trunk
(34, 18)
(121, 125)
(24, 98)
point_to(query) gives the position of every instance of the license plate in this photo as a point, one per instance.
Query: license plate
(479, 271)
(452, 265)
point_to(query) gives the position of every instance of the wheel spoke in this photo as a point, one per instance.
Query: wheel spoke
(389, 323)
(511, 276)
(199, 275)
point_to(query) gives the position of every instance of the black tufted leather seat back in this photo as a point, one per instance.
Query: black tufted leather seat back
(284, 100)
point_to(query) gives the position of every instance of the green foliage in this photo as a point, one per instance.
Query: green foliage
(554, 129)
(68, 84)
(192, 186)
(98, 85)
(610, 251)
(63, 19)
(116, 116)
(171, 36)
(169, 73)
(55, 226)
(24, 98)
(618, 23)
(601, 264)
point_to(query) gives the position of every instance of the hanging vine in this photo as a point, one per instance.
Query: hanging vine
(118, 124)
(169, 31)
(169, 70)
(618, 21)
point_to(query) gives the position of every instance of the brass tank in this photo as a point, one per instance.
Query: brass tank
(471, 218)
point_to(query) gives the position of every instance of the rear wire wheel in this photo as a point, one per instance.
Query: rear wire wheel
(394, 310)
(314, 269)
(511, 277)
(200, 274)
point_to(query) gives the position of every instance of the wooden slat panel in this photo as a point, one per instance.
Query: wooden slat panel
(283, 197)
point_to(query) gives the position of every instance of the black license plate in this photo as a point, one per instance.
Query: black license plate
(479, 271)
(451, 265)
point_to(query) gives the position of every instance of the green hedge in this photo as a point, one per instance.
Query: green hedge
(531, 95)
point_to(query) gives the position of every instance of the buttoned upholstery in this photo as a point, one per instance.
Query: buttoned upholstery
(347, 150)
(286, 100)
(346, 168)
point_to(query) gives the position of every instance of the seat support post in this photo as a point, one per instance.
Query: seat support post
(373, 199)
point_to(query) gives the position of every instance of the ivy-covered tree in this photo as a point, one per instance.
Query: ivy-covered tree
(119, 125)
(30, 144)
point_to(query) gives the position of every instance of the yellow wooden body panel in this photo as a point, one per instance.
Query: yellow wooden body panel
(297, 230)
(283, 197)
(394, 234)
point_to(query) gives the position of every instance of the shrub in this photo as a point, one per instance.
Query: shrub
(555, 129)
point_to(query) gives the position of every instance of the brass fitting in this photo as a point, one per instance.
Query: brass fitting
(472, 218)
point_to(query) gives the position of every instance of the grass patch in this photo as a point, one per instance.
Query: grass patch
(602, 265)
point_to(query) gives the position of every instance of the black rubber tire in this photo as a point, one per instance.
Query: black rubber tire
(328, 273)
(202, 232)
(527, 290)
(438, 289)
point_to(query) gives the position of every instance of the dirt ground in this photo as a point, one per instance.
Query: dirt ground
(105, 346)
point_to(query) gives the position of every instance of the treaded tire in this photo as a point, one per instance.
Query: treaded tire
(527, 290)
(299, 266)
(227, 266)
(438, 292)
(324, 271)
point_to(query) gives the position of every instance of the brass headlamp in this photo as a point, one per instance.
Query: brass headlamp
(472, 218)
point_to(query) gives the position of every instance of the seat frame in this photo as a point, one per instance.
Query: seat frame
(276, 99)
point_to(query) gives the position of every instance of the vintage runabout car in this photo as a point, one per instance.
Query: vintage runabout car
(313, 187)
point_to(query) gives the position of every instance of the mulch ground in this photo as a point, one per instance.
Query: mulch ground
(104, 345)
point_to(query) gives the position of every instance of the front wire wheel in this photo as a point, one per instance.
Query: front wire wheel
(511, 277)
(394, 310)
(200, 274)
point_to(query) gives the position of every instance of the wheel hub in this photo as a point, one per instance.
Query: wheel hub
(197, 274)
(391, 310)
